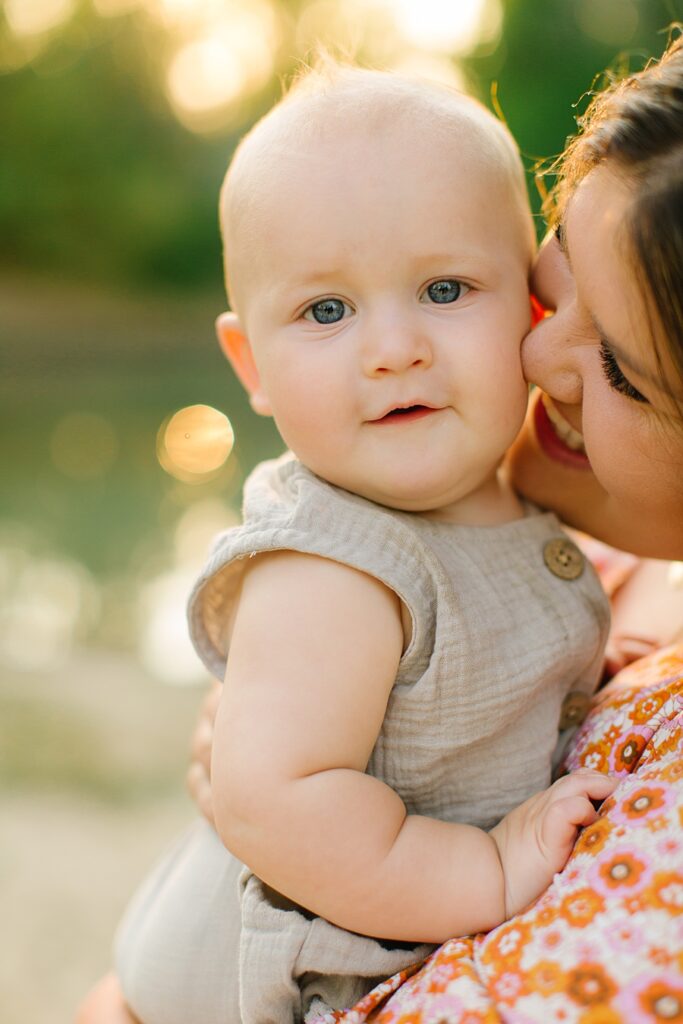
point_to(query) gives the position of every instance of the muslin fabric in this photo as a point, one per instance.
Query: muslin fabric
(469, 732)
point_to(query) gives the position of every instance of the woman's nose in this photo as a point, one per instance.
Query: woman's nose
(552, 360)
(549, 352)
(394, 345)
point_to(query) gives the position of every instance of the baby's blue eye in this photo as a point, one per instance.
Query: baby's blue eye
(327, 311)
(447, 290)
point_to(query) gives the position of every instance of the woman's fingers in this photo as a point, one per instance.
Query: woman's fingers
(198, 776)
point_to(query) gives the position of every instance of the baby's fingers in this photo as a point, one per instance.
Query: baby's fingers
(594, 785)
(561, 822)
(572, 808)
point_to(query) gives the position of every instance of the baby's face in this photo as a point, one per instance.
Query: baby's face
(383, 288)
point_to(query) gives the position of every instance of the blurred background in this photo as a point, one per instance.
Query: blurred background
(125, 439)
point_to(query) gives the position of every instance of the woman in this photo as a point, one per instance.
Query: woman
(604, 943)
(610, 362)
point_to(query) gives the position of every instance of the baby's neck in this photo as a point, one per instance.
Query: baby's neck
(491, 505)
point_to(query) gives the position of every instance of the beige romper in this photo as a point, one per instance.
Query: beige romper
(506, 621)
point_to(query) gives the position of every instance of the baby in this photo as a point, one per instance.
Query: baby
(400, 630)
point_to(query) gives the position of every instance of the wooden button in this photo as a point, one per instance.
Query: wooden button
(563, 558)
(574, 709)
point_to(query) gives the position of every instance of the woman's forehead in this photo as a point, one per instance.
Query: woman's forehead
(611, 288)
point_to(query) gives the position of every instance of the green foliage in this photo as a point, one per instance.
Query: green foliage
(108, 224)
(101, 182)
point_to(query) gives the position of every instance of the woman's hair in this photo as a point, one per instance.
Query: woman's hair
(636, 125)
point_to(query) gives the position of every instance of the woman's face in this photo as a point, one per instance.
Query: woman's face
(596, 360)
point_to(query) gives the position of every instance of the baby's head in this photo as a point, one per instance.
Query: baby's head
(378, 242)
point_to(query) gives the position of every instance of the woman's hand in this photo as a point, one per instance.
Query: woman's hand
(199, 770)
(104, 1004)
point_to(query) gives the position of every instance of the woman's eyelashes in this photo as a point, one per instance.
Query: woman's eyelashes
(327, 311)
(446, 290)
(615, 377)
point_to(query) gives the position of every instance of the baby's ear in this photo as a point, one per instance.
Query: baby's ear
(236, 348)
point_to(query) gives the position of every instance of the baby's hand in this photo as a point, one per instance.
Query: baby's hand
(534, 841)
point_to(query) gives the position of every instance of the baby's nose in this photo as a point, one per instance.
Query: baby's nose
(395, 349)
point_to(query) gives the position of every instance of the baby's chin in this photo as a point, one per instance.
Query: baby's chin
(423, 495)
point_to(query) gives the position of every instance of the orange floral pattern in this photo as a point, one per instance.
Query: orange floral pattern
(603, 944)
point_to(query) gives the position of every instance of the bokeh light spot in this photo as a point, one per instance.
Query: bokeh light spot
(164, 643)
(83, 446)
(195, 443)
(205, 74)
(612, 22)
(434, 68)
(230, 58)
(31, 17)
(444, 26)
(115, 8)
(49, 602)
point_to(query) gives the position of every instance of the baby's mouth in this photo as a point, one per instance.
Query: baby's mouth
(403, 414)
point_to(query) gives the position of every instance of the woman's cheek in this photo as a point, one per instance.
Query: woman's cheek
(616, 442)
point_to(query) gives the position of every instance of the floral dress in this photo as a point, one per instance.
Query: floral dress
(604, 943)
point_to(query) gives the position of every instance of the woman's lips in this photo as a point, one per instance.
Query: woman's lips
(557, 438)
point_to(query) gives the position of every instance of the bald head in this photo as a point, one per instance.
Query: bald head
(339, 109)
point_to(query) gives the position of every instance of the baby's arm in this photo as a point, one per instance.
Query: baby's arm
(313, 656)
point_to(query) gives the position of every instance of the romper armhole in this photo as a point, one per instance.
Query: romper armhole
(286, 507)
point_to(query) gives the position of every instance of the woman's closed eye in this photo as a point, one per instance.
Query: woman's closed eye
(444, 291)
(327, 311)
(615, 377)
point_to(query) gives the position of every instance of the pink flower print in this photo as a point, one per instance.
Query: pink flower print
(648, 706)
(620, 872)
(642, 802)
(666, 891)
(670, 846)
(589, 983)
(653, 1000)
(626, 753)
(507, 987)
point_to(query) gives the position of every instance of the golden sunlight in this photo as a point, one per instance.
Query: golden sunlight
(433, 67)
(195, 443)
(31, 17)
(445, 26)
(231, 57)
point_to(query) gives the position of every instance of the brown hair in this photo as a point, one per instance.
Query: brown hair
(636, 125)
